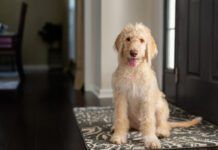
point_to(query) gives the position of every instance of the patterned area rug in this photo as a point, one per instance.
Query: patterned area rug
(95, 125)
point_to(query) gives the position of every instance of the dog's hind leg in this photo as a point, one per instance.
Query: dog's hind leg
(162, 114)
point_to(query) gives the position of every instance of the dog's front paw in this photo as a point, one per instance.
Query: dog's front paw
(152, 142)
(118, 139)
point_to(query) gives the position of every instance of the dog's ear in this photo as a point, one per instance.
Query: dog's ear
(118, 43)
(151, 48)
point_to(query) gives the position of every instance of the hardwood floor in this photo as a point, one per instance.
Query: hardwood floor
(39, 116)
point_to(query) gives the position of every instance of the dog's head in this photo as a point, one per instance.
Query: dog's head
(135, 45)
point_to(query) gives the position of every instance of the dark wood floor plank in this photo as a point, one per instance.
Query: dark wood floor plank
(24, 132)
(7, 121)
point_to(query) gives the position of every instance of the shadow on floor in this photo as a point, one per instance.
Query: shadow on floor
(39, 115)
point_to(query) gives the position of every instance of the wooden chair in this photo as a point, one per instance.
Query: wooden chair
(11, 43)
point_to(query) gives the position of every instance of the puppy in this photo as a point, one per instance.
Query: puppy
(139, 103)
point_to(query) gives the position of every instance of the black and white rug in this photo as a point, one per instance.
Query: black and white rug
(95, 125)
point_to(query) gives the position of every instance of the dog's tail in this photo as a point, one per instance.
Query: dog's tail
(186, 124)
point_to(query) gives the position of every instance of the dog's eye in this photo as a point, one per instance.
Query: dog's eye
(142, 40)
(128, 39)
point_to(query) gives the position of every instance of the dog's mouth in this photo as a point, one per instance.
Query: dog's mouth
(132, 61)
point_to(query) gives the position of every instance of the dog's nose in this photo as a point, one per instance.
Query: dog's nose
(133, 53)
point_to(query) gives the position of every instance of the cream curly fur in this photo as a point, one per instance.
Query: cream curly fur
(139, 103)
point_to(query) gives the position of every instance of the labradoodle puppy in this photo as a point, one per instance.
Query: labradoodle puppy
(139, 103)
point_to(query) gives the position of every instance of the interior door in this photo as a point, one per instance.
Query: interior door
(197, 57)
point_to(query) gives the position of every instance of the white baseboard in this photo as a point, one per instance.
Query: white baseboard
(103, 93)
(35, 68)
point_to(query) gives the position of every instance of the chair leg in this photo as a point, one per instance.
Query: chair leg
(19, 65)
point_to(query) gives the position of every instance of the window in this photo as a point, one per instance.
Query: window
(170, 34)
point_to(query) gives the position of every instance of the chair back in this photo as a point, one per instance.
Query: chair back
(22, 22)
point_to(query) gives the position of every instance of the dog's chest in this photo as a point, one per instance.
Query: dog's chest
(132, 84)
(135, 113)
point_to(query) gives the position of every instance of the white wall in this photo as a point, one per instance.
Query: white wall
(108, 18)
(92, 44)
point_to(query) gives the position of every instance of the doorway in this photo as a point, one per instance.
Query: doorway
(192, 82)
(72, 29)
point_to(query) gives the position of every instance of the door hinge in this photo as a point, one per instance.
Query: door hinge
(176, 75)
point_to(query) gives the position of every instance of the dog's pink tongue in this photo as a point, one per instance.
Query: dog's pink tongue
(132, 62)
